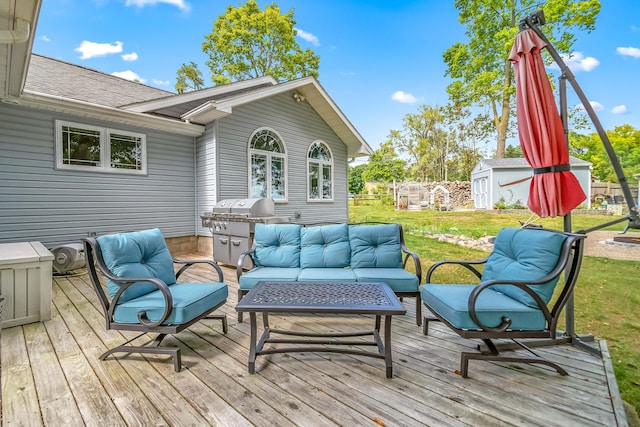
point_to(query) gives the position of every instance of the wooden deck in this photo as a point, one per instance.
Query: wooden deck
(51, 376)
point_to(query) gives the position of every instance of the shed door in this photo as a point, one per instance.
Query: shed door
(480, 193)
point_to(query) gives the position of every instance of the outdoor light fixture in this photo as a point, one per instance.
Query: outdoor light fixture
(298, 97)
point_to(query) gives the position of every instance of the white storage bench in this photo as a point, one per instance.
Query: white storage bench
(25, 283)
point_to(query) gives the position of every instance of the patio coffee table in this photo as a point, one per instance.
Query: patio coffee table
(321, 298)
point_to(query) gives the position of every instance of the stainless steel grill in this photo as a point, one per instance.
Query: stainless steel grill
(232, 223)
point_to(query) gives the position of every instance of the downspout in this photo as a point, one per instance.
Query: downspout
(20, 33)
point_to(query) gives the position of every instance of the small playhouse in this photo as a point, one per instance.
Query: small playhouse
(508, 181)
(416, 196)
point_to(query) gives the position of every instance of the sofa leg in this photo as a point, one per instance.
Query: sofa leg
(418, 310)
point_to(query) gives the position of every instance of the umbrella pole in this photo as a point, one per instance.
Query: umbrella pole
(570, 331)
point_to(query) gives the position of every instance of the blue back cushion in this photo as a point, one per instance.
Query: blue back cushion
(375, 246)
(139, 254)
(277, 245)
(525, 255)
(325, 246)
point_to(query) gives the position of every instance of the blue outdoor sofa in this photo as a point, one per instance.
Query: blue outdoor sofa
(367, 252)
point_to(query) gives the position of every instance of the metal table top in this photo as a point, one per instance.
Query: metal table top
(319, 297)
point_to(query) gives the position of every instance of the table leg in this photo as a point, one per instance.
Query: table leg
(387, 346)
(265, 319)
(252, 344)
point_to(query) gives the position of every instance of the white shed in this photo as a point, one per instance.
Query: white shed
(509, 179)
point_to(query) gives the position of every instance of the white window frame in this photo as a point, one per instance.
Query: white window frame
(105, 149)
(320, 163)
(269, 156)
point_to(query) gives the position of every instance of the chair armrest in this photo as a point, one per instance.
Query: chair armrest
(469, 265)
(188, 263)
(240, 264)
(126, 282)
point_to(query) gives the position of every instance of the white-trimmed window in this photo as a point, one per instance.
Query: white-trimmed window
(99, 149)
(268, 161)
(320, 172)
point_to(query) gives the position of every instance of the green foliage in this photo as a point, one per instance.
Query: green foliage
(513, 152)
(625, 141)
(356, 183)
(189, 77)
(502, 204)
(247, 42)
(481, 73)
(425, 141)
(384, 165)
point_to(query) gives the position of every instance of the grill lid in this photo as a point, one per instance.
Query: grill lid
(247, 207)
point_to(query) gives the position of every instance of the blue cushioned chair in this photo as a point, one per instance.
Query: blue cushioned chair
(143, 292)
(514, 296)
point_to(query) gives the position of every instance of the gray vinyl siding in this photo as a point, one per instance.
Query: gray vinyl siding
(38, 202)
(206, 175)
(298, 125)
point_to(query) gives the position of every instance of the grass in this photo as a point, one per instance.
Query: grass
(607, 294)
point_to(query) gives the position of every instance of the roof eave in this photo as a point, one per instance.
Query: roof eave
(110, 114)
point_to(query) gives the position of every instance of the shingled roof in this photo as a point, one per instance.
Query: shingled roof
(58, 78)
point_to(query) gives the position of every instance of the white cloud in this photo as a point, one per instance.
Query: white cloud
(577, 62)
(45, 38)
(308, 37)
(91, 49)
(635, 28)
(403, 97)
(629, 51)
(594, 104)
(129, 75)
(180, 4)
(160, 82)
(130, 56)
(619, 109)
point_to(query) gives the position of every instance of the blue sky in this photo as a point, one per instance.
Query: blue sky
(379, 60)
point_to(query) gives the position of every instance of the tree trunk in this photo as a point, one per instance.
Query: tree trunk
(503, 122)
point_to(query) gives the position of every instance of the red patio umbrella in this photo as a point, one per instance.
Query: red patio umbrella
(554, 189)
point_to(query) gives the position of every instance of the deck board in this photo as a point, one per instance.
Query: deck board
(51, 375)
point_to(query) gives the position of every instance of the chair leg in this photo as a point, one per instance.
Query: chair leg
(240, 295)
(152, 348)
(418, 310)
(425, 324)
(465, 357)
(223, 318)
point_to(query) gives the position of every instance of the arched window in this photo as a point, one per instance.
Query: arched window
(268, 171)
(320, 172)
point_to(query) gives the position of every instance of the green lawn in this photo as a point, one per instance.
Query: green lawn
(607, 294)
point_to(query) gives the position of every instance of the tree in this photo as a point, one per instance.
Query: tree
(247, 43)
(189, 78)
(625, 141)
(426, 142)
(513, 152)
(356, 183)
(384, 165)
(481, 73)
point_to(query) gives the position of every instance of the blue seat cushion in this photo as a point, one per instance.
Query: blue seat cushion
(375, 246)
(249, 279)
(327, 275)
(190, 300)
(138, 254)
(325, 246)
(526, 255)
(398, 279)
(452, 303)
(277, 245)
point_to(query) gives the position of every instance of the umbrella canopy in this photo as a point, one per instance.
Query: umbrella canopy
(554, 189)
